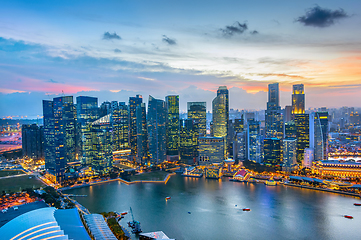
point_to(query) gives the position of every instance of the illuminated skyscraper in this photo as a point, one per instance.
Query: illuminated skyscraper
(120, 126)
(272, 151)
(211, 150)
(273, 114)
(188, 146)
(87, 111)
(49, 136)
(172, 124)
(197, 112)
(238, 125)
(303, 135)
(222, 90)
(133, 103)
(323, 118)
(142, 134)
(290, 130)
(289, 154)
(60, 121)
(220, 120)
(298, 99)
(101, 151)
(156, 120)
(254, 141)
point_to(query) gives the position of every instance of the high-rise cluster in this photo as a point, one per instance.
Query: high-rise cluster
(150, 135)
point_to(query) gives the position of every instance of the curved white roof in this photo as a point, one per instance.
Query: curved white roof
(39, 224)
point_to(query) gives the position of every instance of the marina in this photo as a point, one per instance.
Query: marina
(277, 212)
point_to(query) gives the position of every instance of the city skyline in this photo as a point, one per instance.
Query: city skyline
(116, 50)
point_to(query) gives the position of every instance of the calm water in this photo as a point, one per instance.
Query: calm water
(277, 212)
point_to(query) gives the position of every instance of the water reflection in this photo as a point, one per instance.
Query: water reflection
(277, 212)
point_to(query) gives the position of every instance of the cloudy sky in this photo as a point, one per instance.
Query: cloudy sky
(116, 49)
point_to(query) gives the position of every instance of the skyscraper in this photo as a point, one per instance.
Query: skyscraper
(303, 135)
(220, 120)
(254, 141)
(272, 151)
(156, 120)
(290, 130)
(188, 145)
(133, 103)
(87, 111)
(197, 112)
(101, 150)
(298, 99)
(120, 126)
(142, 134)
(63, 149)
(172, 124)
(289, 154)
(323, 118)
(32, 141)
(273, 114)
(222, 90)
(49, 136)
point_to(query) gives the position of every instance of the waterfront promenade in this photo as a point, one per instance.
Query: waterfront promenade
(118, 179)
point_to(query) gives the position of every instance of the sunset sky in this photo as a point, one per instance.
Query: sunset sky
(116, 49)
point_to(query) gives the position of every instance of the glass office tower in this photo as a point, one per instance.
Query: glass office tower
(298, 99)
(197, 112)
(172, 127)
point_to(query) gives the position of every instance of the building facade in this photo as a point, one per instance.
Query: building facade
(197, 112)
(172, 127)
(211, 150)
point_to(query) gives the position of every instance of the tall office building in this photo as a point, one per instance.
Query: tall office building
(238, 125)
(188, 145)
(60, 121)
(303, 135)
(290, 129)
(133, 103)
(323, 118)
(49, 135)
(316, 137)
(210, 150)
(172, 127)
(298, 99)
(142, 134)
(101, 150)
(239, 146)
(87, 111)
(32, 138)
(272, 151)
(289, 154)
(222, 90)
(105, 109)
(273, 114)
(254, 141)
(120, 126)
(220, 120)
(287, 114)
(197, 112)
(156, 120)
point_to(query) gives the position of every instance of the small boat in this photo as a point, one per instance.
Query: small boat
(271, 183)
(124, 213)
(357, 204)
(189, 212)
(246, 209)
(167, 198)
(348, 216)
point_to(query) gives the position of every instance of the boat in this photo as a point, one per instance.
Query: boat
(246, 209)
(189, 212)
(167, 198)
(124, 213)
(348, 216)
(357, 204)
(270, 183)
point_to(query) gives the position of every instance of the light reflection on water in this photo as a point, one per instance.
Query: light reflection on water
(277, 212)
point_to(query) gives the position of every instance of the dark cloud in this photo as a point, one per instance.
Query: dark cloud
(52, 81)
(111, 36)
(169, 40)
(117, 50)
(236, 28)
(321, 17)
(254, 32)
